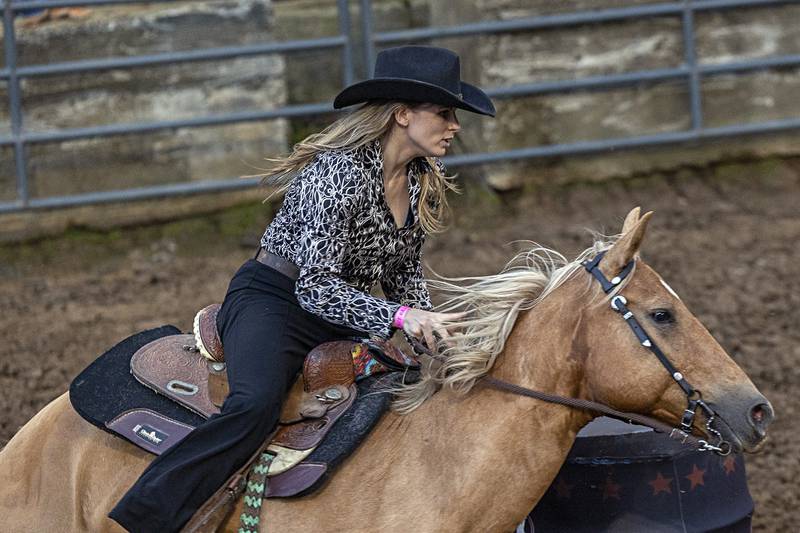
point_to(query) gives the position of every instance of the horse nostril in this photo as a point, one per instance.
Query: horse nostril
(761, 415)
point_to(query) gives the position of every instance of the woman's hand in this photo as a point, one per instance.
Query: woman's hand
(424, 324)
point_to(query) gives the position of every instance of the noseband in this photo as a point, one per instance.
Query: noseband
(693, 396)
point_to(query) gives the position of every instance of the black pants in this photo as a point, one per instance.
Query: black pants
(266, 335)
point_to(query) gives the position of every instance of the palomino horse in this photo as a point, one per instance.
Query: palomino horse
(466, 458)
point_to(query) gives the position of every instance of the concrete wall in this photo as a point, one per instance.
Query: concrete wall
(579, 51)
(625, 46)
(317, 76)
(158, 93)
(195, 89)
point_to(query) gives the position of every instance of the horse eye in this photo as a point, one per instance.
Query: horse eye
(662, 316)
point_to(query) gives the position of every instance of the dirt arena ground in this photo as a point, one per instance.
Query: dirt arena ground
(728, 244)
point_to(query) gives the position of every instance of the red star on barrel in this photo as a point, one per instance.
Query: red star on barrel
(611, 489)
(661, 484)
(729, 464)
(696, 477)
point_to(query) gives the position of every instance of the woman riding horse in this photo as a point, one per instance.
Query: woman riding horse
(360, 197)
(470, 457)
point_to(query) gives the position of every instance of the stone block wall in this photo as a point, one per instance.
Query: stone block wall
(316, 76)
(263, 82)
(177, 91)
(156, 93)
(625, 46)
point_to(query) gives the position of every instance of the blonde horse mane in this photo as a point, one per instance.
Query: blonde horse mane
(493, 304)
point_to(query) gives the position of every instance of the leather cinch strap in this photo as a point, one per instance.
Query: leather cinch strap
(216, 510)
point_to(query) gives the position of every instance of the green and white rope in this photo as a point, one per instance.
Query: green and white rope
(254, 495)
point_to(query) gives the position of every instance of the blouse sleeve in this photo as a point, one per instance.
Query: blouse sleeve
(329, 196)
(405, 283)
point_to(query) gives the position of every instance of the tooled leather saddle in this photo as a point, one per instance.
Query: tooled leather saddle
(334, 393)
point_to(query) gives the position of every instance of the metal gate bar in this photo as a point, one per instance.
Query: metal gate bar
(690, 72)
(14, 102)
(19, 138)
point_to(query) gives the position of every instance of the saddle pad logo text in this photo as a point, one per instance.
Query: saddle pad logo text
(150, 434)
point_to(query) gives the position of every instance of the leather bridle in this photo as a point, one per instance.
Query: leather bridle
(693, 396)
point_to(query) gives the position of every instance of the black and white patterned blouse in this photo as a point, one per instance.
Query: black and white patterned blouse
(336, 226)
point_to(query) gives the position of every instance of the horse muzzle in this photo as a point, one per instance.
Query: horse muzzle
(742, 419)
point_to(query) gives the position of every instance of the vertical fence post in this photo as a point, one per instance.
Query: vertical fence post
(15, 108)
(346, 30)
(690, 57)
(366, 35)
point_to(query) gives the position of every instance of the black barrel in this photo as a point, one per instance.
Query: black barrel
(622, 477)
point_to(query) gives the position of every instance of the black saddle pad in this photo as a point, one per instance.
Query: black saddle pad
(106, 389)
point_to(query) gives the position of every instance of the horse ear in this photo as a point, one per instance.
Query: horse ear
(627, 247)
(631, 219)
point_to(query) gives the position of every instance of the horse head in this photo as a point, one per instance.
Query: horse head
(603, 328)
(624, 370)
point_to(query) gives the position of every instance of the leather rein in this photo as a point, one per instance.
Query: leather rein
(693, 396)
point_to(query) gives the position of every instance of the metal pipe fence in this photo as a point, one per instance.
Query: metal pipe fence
(689, 72)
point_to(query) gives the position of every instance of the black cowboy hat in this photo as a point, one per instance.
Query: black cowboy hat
(418, 74)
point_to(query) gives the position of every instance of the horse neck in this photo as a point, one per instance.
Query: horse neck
(505, 449)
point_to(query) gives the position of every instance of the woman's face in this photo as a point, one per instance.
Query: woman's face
(431, 128)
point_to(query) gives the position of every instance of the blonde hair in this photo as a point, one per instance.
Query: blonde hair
(493, 304)
(355, 130)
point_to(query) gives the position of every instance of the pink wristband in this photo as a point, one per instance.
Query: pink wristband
(399, 316)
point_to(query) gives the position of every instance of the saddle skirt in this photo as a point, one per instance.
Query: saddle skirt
(336, 392)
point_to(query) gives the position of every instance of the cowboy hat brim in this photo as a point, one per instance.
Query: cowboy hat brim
(471, 99)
